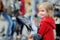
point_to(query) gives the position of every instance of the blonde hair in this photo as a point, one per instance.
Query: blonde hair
(49, 8)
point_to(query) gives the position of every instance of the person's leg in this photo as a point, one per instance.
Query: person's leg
(21, 25)
(13, 27)
(19, 34)
(8, 18)
(21, 29)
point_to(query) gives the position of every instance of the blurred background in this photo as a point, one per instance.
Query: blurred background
(30, 8)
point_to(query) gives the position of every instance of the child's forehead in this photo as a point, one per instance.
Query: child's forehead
(42, 8)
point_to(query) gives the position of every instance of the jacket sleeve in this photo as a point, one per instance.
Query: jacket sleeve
(43, 28)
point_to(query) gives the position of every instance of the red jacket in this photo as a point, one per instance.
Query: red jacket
(22, 8)
(46, 28)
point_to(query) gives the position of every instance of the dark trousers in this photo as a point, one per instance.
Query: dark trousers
(21, 23)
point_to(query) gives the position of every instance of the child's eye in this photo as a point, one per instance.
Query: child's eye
(42, 10)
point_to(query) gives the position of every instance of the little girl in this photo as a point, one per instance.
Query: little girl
(47, 23)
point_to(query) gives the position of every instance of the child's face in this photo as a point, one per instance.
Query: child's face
(43, 12)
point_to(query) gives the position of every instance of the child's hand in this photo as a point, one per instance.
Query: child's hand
(30, 37)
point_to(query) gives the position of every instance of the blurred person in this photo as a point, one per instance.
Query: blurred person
(12, 19)
(11, 23)
(7, 17)
(28, 11)
(47, 23)
(21, 20)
